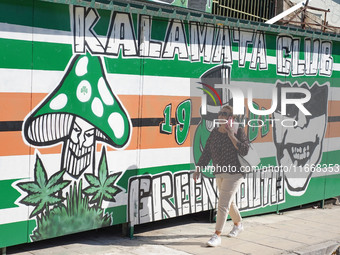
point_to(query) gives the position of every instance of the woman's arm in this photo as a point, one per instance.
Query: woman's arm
(240, 140)
(243, 142)
(206, 154)
(204, 159)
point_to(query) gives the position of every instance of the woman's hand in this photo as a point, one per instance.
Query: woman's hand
(229, 130)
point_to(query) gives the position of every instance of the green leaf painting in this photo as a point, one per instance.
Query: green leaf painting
(43, 192)
(102, 187)
(75, 216)
(55, 216)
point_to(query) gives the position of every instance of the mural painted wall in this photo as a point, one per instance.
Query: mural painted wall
(101, 117)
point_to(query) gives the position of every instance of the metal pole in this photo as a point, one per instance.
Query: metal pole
(242, 15)
(287, 12)
(325, 22)
(275, 8)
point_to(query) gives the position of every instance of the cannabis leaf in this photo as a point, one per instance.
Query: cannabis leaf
(42, 192)
(102, 187)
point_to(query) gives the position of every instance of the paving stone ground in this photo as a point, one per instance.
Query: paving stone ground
(304, 231)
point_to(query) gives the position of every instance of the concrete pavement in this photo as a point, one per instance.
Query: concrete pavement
(299, 231)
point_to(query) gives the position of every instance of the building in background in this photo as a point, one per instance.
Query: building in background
(317, 14)
(254, 10)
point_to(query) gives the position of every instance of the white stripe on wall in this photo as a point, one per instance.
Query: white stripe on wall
(16, 214)
(19, 32)
(18, 81)
(17, 167)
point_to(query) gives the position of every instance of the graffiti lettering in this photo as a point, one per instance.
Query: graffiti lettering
(183, 118)
(83, 22)
(168, 195)
(317, 57)
(121, 36)
(201, 41)
(206, 41)
(175, 41)
(243, 38)
(147, 47)
(261, 188)
(259, 55)
(222, 46)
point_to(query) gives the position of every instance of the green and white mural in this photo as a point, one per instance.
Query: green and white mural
(102, 116)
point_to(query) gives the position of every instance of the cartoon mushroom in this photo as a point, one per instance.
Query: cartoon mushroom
(80, 111)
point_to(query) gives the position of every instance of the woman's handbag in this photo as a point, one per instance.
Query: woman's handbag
(249, 161)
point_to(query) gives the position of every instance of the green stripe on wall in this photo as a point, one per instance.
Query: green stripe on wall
(55, 56)
(123, 181)
(269, 161)
(119, 214)
(15, 54)
(52, 16)
(316, 191)
(332, 184)
(12, 14)
(330, 157)
(51, 56)
(16, 233)
(153, 67)
(8, 194)
(336, 52)
(46, 15)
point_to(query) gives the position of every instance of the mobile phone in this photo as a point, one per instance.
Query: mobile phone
(229, 123)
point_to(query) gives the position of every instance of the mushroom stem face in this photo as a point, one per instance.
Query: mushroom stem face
(78, 151)
(82, 133)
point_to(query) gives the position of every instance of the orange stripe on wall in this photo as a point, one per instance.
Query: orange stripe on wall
(153, 106)
(13, 143)
(333, 129)
(16, 106)
(333, 108)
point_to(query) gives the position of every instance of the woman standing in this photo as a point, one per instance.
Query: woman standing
(222, 147)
